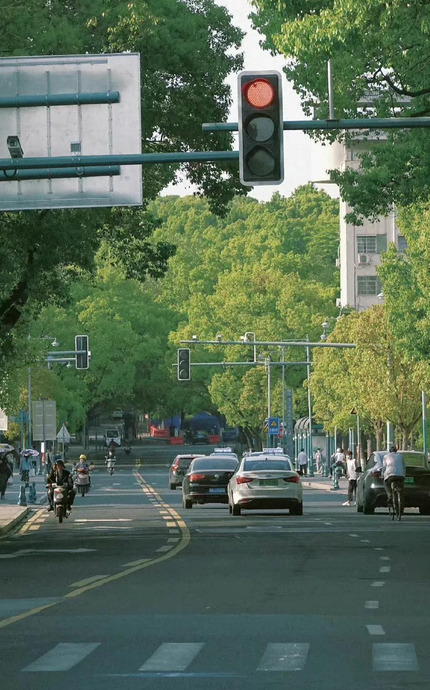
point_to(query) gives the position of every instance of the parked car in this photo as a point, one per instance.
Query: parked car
(267, 480)
(206, 480)
(200, 437)
(371, 492)
(178, 468)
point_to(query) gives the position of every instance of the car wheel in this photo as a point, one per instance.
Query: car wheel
(297, 509)
(172, 486)
(359, 507)
(230, 509)
(368, 509)
(235, 510)
(425, 509)
(187, 503)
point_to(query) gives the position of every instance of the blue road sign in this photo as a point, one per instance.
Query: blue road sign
(273, 426)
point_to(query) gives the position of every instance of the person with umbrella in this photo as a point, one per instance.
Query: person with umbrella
(26, 464)
(5, 473)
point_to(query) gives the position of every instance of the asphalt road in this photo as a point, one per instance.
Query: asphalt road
(133, 591)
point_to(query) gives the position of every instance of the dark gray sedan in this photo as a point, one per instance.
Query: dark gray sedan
(179, 467)
(371, 492)
(206, 480)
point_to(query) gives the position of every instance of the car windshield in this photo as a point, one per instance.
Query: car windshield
(184, 462)
(214, 464)
(269, 464)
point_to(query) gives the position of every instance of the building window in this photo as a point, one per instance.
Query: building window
(402, 243)
(366, 244)
(368, 285)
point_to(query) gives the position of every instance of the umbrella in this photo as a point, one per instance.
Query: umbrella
(6, 448)
(29, 451)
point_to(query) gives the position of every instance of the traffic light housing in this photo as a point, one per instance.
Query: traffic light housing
(261, 128)
(184, 364)
(82, 352)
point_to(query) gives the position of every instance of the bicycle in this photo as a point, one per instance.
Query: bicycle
(396, 505)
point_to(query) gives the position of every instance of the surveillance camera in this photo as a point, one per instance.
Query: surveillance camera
(194, 337)
(219, 336)
(14, 147)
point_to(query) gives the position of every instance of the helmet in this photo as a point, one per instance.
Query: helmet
(338, 450)
(82, 457)
(60, 462)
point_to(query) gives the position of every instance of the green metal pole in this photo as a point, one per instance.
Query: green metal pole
(353, 123)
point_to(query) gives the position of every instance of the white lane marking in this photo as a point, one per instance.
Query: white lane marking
(365, 541)
(385, 568)
(284, 657)
(104, 520)
(375, 630)
(139, 562)
(354, 535)
(28, 552)
(164, 548)
(379, 548)
(328, 523)
(384, 558)
(173, 540)
(62, 657)
(388, 656)
(172, 656)
(377, 583)
(371, 604)
(88, 581)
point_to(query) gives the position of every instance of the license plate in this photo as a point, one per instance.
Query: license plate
(220, 490)
(268, 482)
(409, 480)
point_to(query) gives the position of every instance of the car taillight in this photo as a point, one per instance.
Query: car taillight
(244, 480)
(196, 477)
(295, 479)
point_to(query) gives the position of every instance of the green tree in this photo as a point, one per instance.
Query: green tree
(378, 49)
(180, 87)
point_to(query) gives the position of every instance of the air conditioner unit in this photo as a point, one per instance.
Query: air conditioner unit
(363, 259)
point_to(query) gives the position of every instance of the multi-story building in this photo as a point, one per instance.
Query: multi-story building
(361, 246)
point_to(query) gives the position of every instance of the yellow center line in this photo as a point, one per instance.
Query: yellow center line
(184, 539)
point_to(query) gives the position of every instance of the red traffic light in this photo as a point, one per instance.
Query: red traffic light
(259, 93)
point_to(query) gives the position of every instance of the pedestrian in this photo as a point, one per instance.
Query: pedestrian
(351, 474)
(25, 465)
(319, 461)
(302, 462)
(5, 474)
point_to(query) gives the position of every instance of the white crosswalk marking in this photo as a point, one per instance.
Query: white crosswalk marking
(284, 657)
(172, 656)
(62, 657)
(394, 657)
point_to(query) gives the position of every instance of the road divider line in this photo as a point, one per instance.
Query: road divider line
(375, 630)
(371, 604)
(82, 583)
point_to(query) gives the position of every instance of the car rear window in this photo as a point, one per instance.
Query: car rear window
(215, 464)
(184, 462)
(253, 465)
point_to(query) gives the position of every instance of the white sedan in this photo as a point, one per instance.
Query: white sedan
(265, 481)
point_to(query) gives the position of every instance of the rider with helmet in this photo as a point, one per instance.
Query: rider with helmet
(59, 475)
(83, 465)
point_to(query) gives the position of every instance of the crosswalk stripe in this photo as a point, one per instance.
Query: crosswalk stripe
(172, 656)
(62, 657)
(284, 657)
(394, 657)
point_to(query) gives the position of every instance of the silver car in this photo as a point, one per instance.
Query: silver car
(179, 468)
(265, 481)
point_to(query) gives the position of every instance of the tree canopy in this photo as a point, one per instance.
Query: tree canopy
(379, 52)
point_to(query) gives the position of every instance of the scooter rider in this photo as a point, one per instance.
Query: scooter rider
(83, 465)
(59, 475)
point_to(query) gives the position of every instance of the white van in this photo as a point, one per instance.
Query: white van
(112, 434)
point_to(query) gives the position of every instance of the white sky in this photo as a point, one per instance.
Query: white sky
(304, 160)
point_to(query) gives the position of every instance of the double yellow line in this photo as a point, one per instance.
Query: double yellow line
(171, 518)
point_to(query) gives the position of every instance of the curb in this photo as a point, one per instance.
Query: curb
(14, 521)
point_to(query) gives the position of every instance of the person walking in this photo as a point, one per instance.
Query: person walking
(319, 461)
(302, 462)
(351, 475)
(5, 473)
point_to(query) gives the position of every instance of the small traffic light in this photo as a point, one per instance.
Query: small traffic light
(82, 352)
(261, 128)
(184, 364)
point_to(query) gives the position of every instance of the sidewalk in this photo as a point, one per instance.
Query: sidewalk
(325, 484)
(11, 513)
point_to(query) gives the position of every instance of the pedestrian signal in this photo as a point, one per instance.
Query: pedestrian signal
(261, 128)
(184, 364)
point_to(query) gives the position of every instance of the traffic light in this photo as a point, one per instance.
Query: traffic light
(82, 352)
(184, 364)
(261, 128)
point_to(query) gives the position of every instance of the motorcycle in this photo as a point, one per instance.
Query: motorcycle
(110, 461)
(60, 501)
(82, 480)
